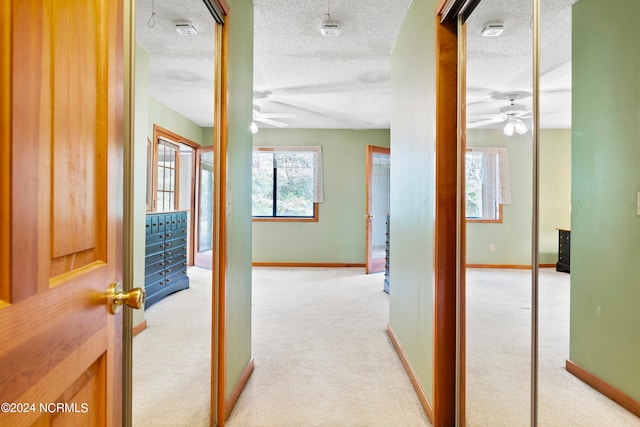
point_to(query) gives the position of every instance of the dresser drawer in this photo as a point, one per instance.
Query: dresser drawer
(154, 248)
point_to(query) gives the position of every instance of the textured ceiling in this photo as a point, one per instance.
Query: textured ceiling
(180, 67)
(344, 81)
(498, 65)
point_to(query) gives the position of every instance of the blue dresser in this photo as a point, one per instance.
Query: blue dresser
(166, 255)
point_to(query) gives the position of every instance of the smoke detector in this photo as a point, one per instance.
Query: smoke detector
(492, 29)
(330, 29)
(186, 29)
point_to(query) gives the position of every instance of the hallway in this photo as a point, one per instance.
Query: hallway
(322, 353)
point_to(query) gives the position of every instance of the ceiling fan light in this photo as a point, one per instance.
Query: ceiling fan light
(509, 128)
(253, 127)
(521, 128)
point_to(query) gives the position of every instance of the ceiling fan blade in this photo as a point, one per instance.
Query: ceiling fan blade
(271, 122)
(278, 115)
(485, 116)
(484, 122)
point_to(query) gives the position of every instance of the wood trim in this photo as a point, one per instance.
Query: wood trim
(307, 264)
(290, 219)
(446, 245)
(426, 405)
(509, 266)
(237, 391)
(139, 328)
(159, 131)
(621, 398)
(219, 270)
(5, 151)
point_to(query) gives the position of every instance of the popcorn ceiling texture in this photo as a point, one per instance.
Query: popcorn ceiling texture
(344, 81)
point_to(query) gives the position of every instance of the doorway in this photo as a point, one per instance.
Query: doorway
(378, 206)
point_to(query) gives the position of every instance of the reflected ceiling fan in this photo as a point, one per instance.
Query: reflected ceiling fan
(512, 114)
(268, 118)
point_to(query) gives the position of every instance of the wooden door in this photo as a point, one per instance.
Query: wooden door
(60, 212)
(378, 174)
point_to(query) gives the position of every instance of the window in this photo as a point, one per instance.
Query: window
(287, 183)
(167, 170)
(487, 184)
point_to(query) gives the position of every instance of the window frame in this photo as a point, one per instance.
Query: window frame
(482, 220)
(161, 134)
(274, 218)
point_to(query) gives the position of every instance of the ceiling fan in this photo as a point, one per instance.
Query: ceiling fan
(268, 118)
(512, 114)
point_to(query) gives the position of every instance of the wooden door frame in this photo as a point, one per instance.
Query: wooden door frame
(218, 413)
(371, 150)
(449, 404)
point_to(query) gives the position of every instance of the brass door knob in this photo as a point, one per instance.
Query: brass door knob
(116, 298)
(369, 216)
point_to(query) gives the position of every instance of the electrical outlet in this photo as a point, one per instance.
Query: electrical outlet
(492, 247)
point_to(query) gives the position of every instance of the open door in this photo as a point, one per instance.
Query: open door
(378, 181)
(203, 245)
(61, 212)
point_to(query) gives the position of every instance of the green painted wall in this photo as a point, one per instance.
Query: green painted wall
(413, 189)
(240, 92)
(605, 228)
(207, 137)
(140, 170)
(339, 236)
(169, 119)
(512, 237)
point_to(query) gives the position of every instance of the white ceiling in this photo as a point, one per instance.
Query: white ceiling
(344, 81)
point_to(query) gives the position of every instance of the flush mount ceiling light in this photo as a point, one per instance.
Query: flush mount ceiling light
(330, 28)
(186, 29)
(492, 29)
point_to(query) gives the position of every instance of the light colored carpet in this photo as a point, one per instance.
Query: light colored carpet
(498, 355)
(171, 358)
(322, 354)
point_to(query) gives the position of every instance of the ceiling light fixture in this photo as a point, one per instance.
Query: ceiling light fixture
(186, 29)
(492, 29)
(330, 28)
(253, 127)
(514, 125)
